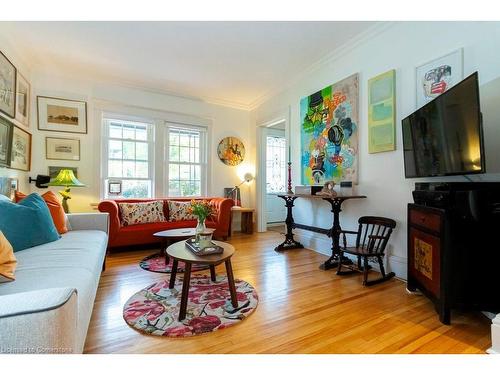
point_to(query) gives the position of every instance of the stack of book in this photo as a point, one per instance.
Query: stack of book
(195, 248)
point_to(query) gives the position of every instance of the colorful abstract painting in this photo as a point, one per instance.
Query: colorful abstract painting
(381, 112)
(329, 133)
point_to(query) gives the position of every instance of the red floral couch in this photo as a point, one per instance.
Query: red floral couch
(139, 234)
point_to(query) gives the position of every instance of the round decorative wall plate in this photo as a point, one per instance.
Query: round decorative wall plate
(231, 151)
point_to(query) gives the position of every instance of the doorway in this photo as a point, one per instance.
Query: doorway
(273, 170)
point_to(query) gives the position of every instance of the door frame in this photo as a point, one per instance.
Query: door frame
(284, 116)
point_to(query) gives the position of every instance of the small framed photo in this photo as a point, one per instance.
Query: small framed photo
(62, 148)
(54, 171)
(6, 128)
(7, 86)
(23, 99)
(20, 150)
(62, 115)
(14, 186)
(114, 187)
(439, 75)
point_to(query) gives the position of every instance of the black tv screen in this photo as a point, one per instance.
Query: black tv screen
(444, 137)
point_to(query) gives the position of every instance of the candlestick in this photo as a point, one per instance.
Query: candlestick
(290, 191)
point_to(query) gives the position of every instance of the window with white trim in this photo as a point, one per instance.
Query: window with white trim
(128, 158)
(186, 160)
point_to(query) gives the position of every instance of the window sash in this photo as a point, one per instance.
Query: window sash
(121, 120)
(172, 128)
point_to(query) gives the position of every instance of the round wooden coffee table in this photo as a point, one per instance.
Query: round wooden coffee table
(179, 252)
(173, 235)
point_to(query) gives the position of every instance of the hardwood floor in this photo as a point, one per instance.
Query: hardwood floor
(301, 310)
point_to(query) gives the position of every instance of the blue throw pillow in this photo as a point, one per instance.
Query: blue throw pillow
(27, 223)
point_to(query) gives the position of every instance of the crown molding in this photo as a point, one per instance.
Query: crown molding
(335, 54)
(179, 94)
(97, 79)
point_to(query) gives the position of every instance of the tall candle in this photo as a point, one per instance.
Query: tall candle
(289, 154)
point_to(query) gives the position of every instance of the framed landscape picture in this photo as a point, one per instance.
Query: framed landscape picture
(7, 86)
(62, 148)
(62, 115)
(382, 112)
(437, 76)
(21, 150)
(23, 96)
(5, 141)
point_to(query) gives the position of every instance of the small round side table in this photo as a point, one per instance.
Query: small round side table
(172, 235)
(179, 252)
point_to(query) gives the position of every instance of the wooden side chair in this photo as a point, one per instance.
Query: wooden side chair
(371, 240)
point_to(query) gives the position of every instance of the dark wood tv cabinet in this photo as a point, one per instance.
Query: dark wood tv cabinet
(453, 247)
(428, 256)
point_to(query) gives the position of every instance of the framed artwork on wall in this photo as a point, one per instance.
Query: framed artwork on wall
(8, 186)
(231, 151)
(62, 148)
(382, 112)
(7, 86)
(62, 115)
(329, 133)
(114, 187)
(437, 76)
(54, 171)
(21, 150)
(6, 129)
(23, 98)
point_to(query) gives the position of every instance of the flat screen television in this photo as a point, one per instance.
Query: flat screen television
(444, 137)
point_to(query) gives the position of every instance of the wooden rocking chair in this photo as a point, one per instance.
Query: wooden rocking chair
(371, 239)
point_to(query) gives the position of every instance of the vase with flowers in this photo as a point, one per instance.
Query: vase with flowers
(202, 210)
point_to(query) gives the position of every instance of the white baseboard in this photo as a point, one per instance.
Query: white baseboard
(323, 244)
(495, 336)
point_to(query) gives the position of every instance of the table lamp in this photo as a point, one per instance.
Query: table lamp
(66, 178)
(247, 178)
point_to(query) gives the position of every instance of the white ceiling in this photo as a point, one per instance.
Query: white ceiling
(237, 63)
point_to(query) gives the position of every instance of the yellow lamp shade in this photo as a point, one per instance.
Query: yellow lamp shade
(66, 177)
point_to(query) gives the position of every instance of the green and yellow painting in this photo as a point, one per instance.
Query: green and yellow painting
(381, 112)
(329, 133)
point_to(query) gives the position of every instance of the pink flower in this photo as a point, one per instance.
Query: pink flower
(155, 288)
(216, 305)
(203, 324)
(136, 309)
(177, 331)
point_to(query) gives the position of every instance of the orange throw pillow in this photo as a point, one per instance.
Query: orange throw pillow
(55, 208)
(7, 260)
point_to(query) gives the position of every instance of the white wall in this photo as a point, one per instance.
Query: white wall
(16, 58)
(402, 46)
(222, 122)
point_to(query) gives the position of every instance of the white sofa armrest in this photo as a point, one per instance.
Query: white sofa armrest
(89, 221)
(39, 321)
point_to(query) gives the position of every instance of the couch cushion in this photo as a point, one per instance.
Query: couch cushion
(180, 211)
(27, 223)
(76, 249)
(141, 213)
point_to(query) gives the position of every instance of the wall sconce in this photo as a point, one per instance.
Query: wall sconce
(41, 181)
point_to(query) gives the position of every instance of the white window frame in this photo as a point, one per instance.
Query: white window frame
(203, 159)
(106, 120)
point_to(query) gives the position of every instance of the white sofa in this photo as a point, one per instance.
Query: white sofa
(47, 309)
